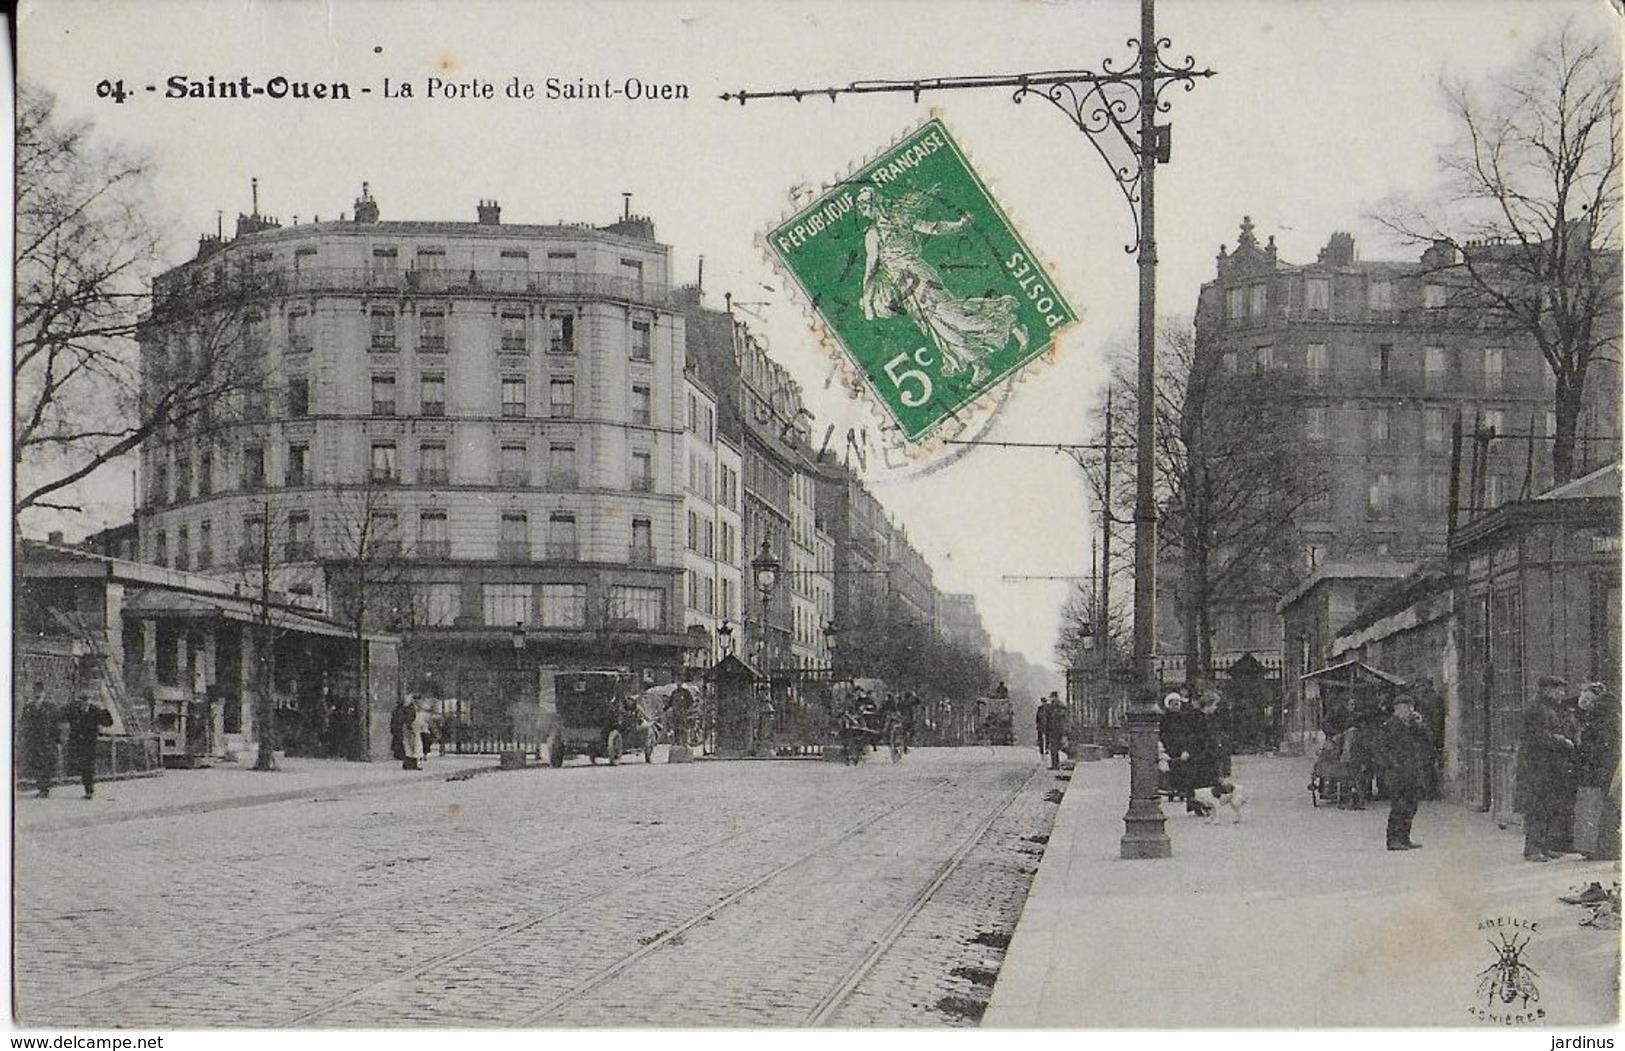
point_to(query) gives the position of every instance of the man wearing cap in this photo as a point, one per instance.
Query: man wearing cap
(1545, 772)
(1404, 756)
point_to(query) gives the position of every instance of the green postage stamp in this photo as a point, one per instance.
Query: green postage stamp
(922, 279)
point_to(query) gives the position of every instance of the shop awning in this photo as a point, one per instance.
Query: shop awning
(153, 603)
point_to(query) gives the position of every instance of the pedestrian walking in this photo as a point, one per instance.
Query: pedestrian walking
(1545, 772)
(407, 726)
(1596, 808)
(1203, 752)
(1175, 738)
(398, 720)
(1041, 718)
(1054, 735)
(1216, 745)
(414, 723)
(40, 741)
(1403, 755)
(85, 721)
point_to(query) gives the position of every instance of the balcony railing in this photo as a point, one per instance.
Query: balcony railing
(434, 549)
(563, 551)
(513, 477)
(563, 479)
(383, 476)
(643, 484)
(172, 297)
(433, 476)
(513, 550)
(640, 555)
(299, 551)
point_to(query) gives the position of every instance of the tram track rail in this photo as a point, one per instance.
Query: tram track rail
(828, 1005)
(442, 886)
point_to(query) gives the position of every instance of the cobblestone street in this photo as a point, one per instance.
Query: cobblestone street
(710, 894)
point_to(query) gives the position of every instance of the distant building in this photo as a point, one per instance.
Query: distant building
(960, 622)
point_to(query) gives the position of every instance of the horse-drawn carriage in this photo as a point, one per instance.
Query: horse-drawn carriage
(599, 716)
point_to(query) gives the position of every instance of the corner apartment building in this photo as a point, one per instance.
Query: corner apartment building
(476, 431)
(1385, 358)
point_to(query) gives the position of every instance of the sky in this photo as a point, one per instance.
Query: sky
(1317, 112)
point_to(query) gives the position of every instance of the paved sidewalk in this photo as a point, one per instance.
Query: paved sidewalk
(1296, 917)
(222, 786)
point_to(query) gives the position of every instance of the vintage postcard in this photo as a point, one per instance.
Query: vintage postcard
(711, 515)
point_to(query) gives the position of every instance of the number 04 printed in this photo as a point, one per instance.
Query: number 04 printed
(923, 281)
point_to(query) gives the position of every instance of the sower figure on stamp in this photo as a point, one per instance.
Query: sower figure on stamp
(85, 721)
(898, 280)
(1404, 757)
(1545, 772)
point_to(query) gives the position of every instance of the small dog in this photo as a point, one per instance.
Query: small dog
(1225, 794)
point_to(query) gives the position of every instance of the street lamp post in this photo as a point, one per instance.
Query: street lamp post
(765, 572)
(1116, 109)
(831, 638)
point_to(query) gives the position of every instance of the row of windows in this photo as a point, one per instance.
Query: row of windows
(705, 538)
(557, 333)
(381, 538)
(513, 399)
(540, 605)
(1433, 427)
(1428, 493)
(1314, 295)
(712, 597)
(433, 467)
(1382, 364)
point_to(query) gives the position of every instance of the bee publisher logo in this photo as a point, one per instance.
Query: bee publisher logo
(1508, 990)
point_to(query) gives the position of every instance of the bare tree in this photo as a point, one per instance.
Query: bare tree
(1238, 475)
(1232, 476)
(367, 578)
(86, 245)
(1090, 634)
(1532, 212)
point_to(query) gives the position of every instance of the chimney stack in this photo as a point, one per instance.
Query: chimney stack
(490, 213)
(366, 209)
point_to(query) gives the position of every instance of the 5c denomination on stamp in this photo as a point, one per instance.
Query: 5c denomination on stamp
(922, 280)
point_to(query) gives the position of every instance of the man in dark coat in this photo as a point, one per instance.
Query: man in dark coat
(39, 741)
(1404, 756)
(85, 721)
(1206, 743)
(1052, 717)
(1545, 772)
(1596, 752)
